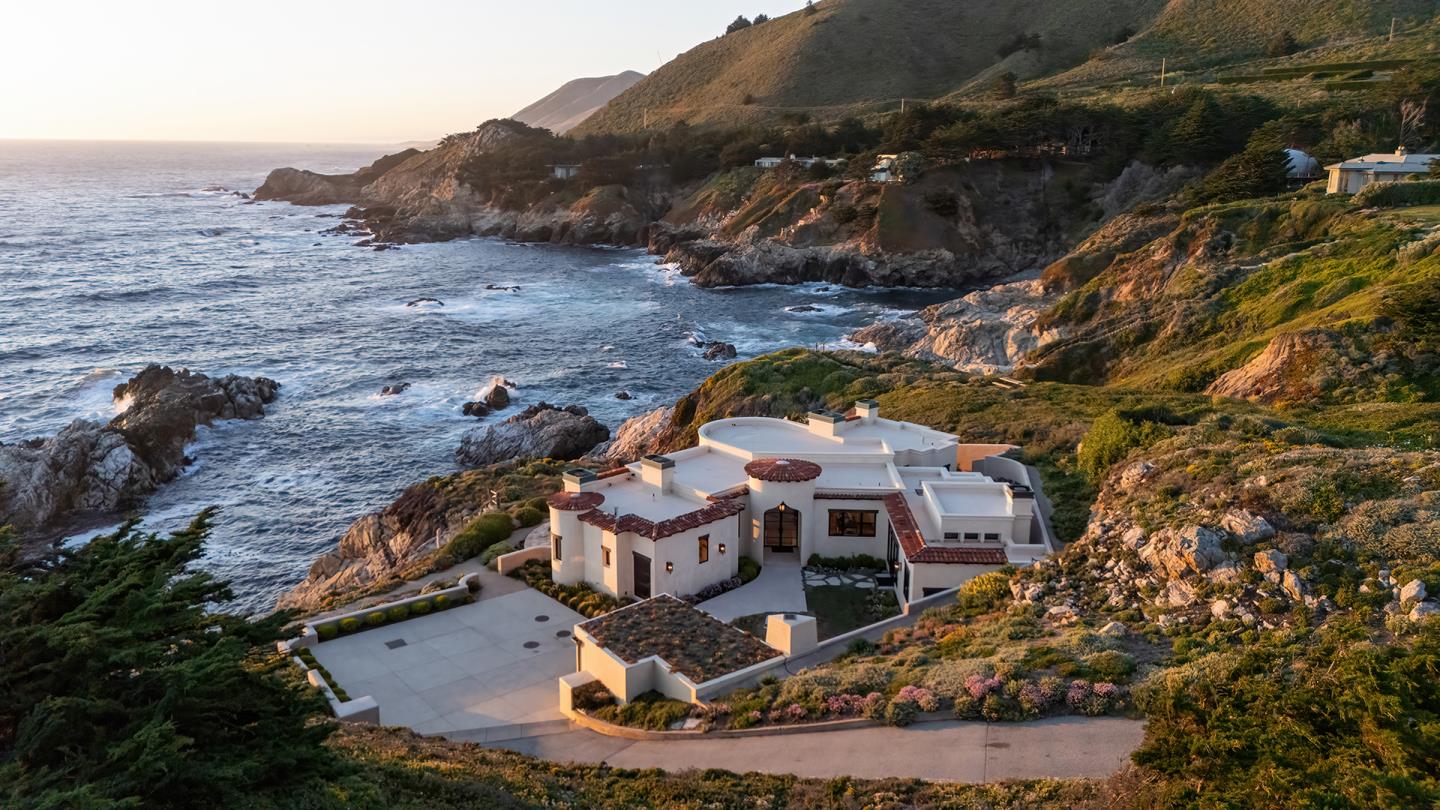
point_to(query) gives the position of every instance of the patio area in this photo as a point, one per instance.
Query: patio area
(491, 663)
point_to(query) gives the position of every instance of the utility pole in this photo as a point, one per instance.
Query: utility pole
(902, 106)
(1392, 30)
(1162, 71)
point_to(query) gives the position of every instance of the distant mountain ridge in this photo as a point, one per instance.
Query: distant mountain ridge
(575, 101)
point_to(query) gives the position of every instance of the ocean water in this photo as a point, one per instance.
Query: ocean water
(115, 255)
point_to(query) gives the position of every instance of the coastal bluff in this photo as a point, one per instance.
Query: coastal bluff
(90, 471)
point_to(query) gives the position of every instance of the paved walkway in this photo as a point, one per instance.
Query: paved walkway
(491, 663)
(948, 751)
(778, 589)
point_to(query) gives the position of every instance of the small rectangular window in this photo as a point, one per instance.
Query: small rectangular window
(852, 523)
(555, 545)
(972, 535)
(605, 555)
(952, 535)
(992, 537)
(704, 548)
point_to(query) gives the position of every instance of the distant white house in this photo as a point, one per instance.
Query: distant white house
(1357, 173)
(886, 169)
(937, 511)
(807, 162)
(564, 171)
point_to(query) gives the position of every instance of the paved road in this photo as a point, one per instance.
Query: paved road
(949, 751)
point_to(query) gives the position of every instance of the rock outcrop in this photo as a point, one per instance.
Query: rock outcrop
(636, 437)
(89, 470)
(375, 546)
(540, 431)
(1298, 367)
(303, 187)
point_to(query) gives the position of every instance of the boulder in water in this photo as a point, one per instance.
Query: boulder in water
(394, 389)
(540, 431)
(720, 351)
(497, 398)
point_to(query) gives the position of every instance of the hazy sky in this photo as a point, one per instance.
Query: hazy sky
(356, 71)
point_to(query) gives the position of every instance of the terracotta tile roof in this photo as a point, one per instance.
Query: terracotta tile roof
(730, 494)
(716, 510)
(691, 641)
(912, 542)
(612, 473)
(782, 470)
(575, 501)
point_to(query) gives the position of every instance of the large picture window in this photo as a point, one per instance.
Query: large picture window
(852, 523)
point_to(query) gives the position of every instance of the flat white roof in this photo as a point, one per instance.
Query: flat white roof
(897, 435)
(879, 475)
(969, 499)
(772, 437)
(709, 471)
(634, 497)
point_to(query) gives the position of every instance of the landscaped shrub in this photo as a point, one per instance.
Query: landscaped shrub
(375, 619)
(861, 646)
(397, 613)
(857, 562)
(592, 696)
(488, 555)
(900, 713)
(480, 534)
(650, 711)
(443, 602)
(715, 589)
(327, 631)
(1110, 665)
(529, 516)
(421, 608)
(749, 569)
(985, 592)
(349, 625)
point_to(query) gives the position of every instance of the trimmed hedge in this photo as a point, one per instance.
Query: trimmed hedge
(859, 561)
(390, 615)
(580, 598)
(1398, 195)
(529, 516)
(749, 569)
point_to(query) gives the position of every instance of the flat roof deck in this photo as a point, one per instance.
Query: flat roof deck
(897, 437)
(970, 500)
(711, 471)
(634, 497)
(859, 476)
(773, 437)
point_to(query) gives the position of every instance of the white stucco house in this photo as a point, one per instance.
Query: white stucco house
(1352, 175)
(806, 162)
(937, 511)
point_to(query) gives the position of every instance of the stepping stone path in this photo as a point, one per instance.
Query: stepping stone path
(815, 578)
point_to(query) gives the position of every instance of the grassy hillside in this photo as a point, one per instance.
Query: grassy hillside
(857, 55)
(862, 56)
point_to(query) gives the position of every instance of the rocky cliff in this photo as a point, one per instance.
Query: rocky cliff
(539, 431)
(89, 471)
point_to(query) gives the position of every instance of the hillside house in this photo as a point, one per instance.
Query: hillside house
(1357, 173)
(806, 162)
(938, 512)
(886, 169)
(564, 171)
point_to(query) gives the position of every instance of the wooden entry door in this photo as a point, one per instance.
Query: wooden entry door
(782, 529)
(642, 575)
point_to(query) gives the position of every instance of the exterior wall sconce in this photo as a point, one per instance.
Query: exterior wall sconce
(722, 548)
(669, 567)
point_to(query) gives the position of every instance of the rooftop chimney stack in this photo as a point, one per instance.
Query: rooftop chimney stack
(867, 409)
(657, 471)
(824, 423)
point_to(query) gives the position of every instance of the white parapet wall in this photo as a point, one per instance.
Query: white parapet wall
(792, 633)
(516, 560)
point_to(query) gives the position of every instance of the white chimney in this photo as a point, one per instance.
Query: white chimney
(657, 471)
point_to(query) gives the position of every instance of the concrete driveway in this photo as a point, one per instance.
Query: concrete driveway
(780, 588)
(491, 663)
(947, 751)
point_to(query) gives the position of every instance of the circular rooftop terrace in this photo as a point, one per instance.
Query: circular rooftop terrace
(787, 470)
(575, 501)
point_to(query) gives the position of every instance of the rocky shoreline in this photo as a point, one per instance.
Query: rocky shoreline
(91, 471)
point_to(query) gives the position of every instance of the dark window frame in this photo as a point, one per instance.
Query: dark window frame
(704, 549)
(555, 546)
(605, 556)
(853, 523)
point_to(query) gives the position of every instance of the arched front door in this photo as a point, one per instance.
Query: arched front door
(782, 529)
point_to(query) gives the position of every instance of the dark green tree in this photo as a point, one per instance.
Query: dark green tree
(119, 687)
(1197, 136)
(1259, 171)
(740, 24)
(761, 18)
(810, 8)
